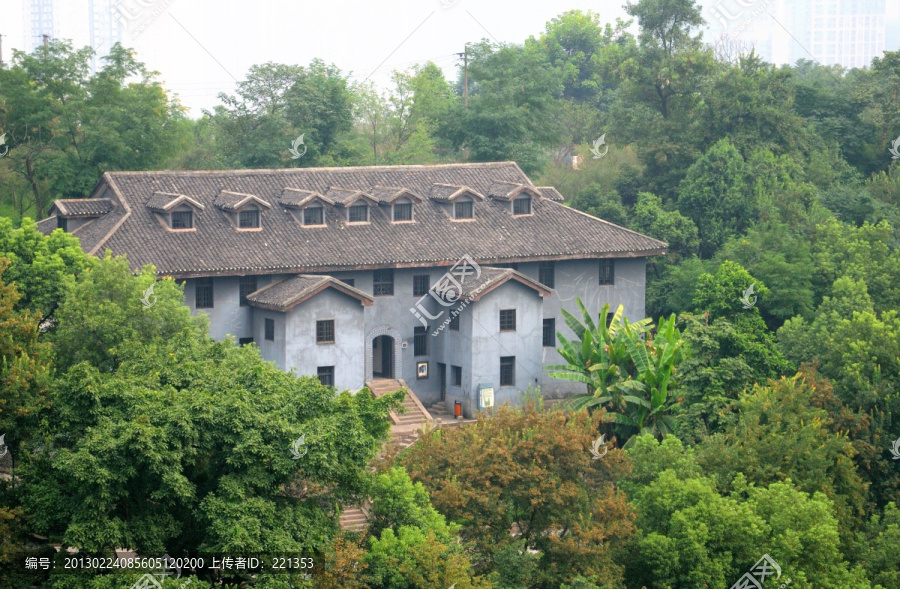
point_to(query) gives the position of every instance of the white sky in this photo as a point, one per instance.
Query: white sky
(356, 35)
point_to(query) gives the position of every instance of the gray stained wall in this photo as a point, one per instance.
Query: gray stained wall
(476, 347)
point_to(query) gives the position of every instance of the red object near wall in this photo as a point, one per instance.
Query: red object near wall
(457, 409)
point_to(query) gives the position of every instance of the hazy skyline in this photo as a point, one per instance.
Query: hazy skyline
(200, 47)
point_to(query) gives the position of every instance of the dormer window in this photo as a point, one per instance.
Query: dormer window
(248, 219)
(61, 223)
(313, 216)
(403, 212)
(464, 209)
(522, 206)
(358, 214)
(183, 219)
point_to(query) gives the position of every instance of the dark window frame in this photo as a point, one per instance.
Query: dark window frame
(325, 332)
(269, 330)
(549, 333)
(204, 294)
(421, 284)
(507, 320)
(349, 281)
(454, 321)
(464, 209)
(325, 374)
(607, 272)
(178, 224)
(383, 282)
(547, 273)
(245, 341)
(307, 214)
(62, 223)
(396, 218)
(456, 376)
(420, 341)
(354, 211)
(246, 286)
(252, 215)
(519, 203)
(507, 371)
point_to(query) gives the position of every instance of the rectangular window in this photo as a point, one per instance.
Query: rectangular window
(325, 331)
(464, 210)
(203, 295)
(248, 219)
(421, 284)
(508, 320)
(547, 274)
(522, 206)
(403, 212)
(507, 371)
(454, 322)
(359, 214)
(245, 341)
(609, 318)
(549, 333)
(420, 342)
(270, 330)
(313, 216)
(248, 286)
(61, 223)
(183, 220)
(383, 283)
(607, 272)
(456, 373)
(349, 282)
(326, 375)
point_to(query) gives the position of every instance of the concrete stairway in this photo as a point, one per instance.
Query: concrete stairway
(354, 519)
(415, 414)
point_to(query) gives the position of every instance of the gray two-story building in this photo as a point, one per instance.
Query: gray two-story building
(450, 277)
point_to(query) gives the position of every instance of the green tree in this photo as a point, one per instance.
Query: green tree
(712, 195)
(529, 471)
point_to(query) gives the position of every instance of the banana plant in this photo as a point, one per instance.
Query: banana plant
(626, 369)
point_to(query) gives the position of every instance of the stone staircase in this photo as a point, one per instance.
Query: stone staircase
(415, 414)
(354, 519)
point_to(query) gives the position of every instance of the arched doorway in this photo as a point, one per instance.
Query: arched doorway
(383, 352)
(383, 357)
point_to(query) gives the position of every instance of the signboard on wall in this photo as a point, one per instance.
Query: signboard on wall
(486, 393)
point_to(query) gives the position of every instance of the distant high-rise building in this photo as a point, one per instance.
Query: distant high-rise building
(84, 22)
(38, 22)
(845, 32)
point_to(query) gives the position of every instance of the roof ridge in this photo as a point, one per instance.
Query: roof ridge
(255, 171)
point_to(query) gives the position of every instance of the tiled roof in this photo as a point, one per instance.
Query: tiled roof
(551, 193)
(231, 201)
(508, 190)
(447, 192)
(287, 294)
(216, 247)
(82, 207)
(490, 278)
(163, 202)
(388, 194)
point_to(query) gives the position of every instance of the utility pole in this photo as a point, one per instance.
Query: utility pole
(46, 40)
(465, 56)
